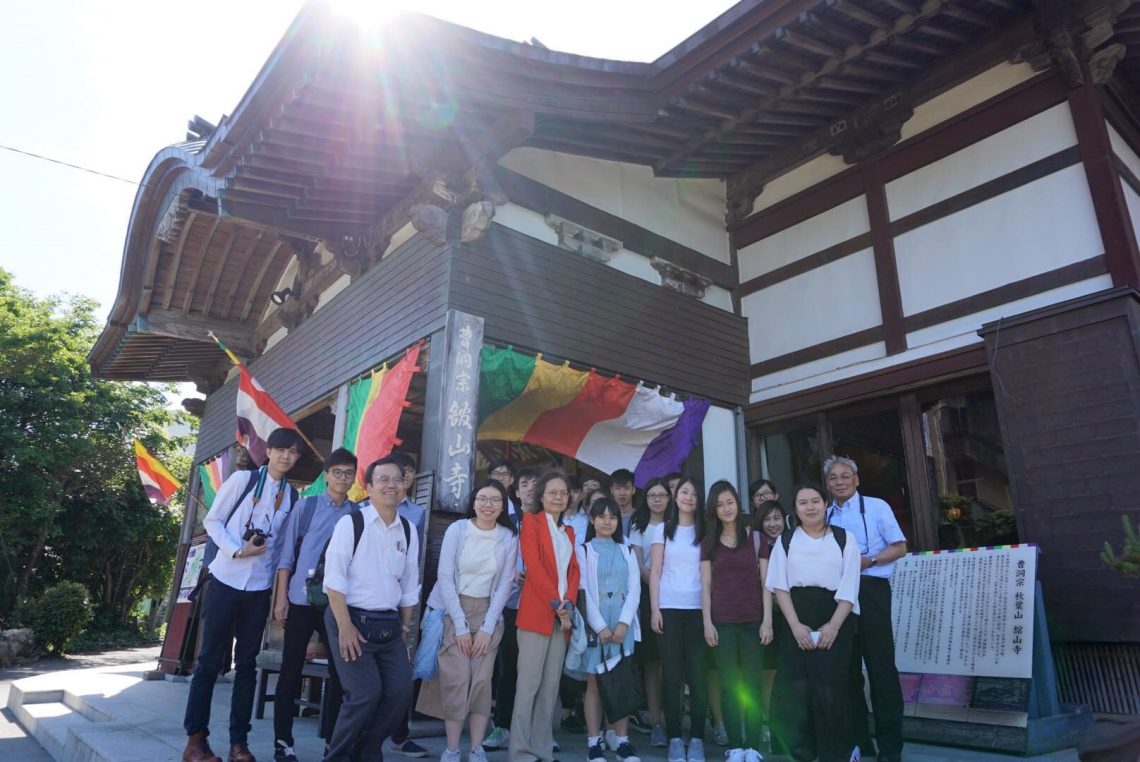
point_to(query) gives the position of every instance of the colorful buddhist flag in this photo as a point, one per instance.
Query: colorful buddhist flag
(604, 422)
(211, 475)
(373, 428)
(160, 484)
(257, 417)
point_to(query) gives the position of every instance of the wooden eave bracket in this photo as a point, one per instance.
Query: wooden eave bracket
(1070, 34)
(679, 279)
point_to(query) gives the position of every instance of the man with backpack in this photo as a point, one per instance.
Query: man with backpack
(306, 534)
(871, 522)
(371, 577)
(245, 525)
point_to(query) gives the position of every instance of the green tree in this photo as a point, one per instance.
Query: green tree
(65, 458)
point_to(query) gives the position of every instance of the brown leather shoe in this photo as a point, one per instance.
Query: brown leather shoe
(198, 749)
(239, 752)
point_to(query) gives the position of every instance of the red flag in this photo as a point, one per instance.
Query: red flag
(377, 435)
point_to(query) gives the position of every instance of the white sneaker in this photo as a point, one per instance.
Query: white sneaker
(734, 755)
(751, 755)
(696, 750)
(450, 755)
(498, 738)
(676, 750)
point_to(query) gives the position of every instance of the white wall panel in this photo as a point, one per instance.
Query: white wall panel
(819, 305)
(809, 374)
(690, 212)
(965, 96)
(801, 178)
(1014, 147)
(1121, 148)
(836, 225)
(1029, 230)
(718, 440)
(1133, 202)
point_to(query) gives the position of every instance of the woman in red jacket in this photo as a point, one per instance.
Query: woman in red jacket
(544, 618)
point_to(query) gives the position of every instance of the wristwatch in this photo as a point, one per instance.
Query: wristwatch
(873, 562)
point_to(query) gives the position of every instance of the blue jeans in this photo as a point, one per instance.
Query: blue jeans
(243, 613)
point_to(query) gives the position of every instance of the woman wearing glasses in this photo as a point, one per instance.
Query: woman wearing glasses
(476, 569)
(651, 512)
(544, 619)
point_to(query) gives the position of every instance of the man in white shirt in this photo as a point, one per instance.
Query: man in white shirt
(246, 522)
(372, 582)
(871, 522)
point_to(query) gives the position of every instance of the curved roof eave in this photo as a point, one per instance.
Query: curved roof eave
(173, 170)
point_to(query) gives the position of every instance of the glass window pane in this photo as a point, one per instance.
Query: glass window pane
(874, 441)
(967, 470)
(791, 458)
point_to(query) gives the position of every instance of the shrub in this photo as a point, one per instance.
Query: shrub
(57, 616)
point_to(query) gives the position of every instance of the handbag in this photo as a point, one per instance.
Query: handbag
(620, 686)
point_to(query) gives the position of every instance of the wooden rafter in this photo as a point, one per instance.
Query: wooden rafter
(827, 67)
(172, 273)
(196, 266)
(260, 276)
(223, 264)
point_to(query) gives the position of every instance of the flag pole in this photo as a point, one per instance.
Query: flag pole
(237, 361)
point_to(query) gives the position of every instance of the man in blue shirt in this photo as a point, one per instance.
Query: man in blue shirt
(871, 522)
(306, 533)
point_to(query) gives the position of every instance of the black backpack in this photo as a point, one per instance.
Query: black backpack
(315, 582)
(839, 533)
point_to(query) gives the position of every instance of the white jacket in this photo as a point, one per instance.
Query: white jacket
(445, 596)
(588, 564)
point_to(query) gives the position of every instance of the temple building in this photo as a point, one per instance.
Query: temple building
(898, 230)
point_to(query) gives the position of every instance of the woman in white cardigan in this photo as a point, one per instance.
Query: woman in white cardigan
(476, 571)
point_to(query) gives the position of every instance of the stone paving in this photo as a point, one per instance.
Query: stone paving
(111, 713)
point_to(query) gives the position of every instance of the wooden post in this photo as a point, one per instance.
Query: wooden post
(923, 506)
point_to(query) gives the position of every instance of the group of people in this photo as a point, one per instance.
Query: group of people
(546, 584)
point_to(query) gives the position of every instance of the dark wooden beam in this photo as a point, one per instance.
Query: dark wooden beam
(176, 261)
(886, 268)
(261, 271)
(222, 266)
(1112, 217)
(181, 325)
(196, 264)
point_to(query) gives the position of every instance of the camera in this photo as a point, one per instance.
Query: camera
(254, 535)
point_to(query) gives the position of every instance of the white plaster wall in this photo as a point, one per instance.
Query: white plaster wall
(1121, 148)
(690, 212)
(718, 440)
(1133, 202)
(965, 96)
(837, 224)
(799, 179)
(819, 305)
(338, 285)
(533, 224)
(953, 334)
(1032, 229)
(1023, 143)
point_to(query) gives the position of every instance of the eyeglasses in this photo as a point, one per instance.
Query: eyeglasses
(384, 481)
(766, 494)
(844, 477)
(342, 473)
(481, 500)
(556, 493)
(658, 496)
(500, 473)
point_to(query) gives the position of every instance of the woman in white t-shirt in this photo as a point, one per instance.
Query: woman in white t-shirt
(814, 574)
(675, 594)
(652, 509)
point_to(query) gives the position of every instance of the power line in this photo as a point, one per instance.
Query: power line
(69, 164)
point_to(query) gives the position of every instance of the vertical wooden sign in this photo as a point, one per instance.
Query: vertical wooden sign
(460, 414)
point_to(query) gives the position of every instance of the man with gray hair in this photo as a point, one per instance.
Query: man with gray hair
(871, 522)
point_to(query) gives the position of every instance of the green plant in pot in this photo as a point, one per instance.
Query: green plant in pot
(955, 508)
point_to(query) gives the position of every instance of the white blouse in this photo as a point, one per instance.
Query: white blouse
(563, 550)
(816, 563)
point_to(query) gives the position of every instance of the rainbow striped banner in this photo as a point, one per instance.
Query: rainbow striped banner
(212, 473)
(970, 550)
(159, 483)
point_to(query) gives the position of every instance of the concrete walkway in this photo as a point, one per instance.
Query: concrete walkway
(108, 712)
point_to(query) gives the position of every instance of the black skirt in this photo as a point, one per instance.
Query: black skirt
(809, 713)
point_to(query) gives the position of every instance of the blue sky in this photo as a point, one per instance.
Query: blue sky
(106, 85)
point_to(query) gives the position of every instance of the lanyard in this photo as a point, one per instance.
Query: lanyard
(863, 515)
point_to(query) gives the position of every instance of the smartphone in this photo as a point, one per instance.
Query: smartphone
(815, 637)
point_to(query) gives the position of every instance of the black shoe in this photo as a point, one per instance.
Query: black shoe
(573, 723)
(597, 751)
(283, 752)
